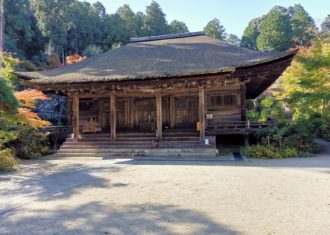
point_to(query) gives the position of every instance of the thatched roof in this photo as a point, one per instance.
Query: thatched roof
(167, 57)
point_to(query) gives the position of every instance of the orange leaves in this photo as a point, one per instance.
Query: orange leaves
(71, 59)
(29, 97)
(31, 118)
(27, 100)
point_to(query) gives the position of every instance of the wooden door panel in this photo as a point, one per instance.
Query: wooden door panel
(186, 111)
(146, 114)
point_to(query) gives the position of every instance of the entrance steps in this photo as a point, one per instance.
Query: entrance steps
(130, 144)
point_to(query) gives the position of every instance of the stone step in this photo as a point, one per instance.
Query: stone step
(180, 134)
(181, 138)
(144, 153)
(135, 138)
(128, 147)
(105, 146)
(131, 143)
(151, 134)
(141, 150)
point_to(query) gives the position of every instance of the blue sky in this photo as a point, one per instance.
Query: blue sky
(233, 14)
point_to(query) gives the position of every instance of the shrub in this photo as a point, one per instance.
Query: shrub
(322, 128)
(26, 65)
(92, 50)
(7, 160)
(298, 134)
(263, 108)
(30, 143)
(272, 152)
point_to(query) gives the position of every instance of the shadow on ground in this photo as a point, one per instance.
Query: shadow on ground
(317, 161)
(96, 218)
(40, 180)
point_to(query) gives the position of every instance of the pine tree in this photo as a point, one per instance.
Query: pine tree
(275, 31)
(155, 20)
(214, 29)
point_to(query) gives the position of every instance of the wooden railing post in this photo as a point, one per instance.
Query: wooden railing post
(159, 113)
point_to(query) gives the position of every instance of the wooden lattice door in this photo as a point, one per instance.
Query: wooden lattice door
(186, 111)
(146, 114)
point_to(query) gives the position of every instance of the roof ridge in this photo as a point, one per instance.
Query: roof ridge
(167, 36)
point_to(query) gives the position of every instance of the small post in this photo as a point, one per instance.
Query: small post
(268, 140)
(246, 140)
(55, 142)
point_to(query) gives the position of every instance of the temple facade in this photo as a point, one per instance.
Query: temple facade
(164, 84)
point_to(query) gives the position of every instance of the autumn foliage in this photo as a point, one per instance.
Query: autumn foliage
(27, 101)
(71, 59)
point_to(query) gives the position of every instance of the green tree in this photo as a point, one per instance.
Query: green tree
(8, 102)
(214, 29)
(115, 32)
(178, 27)
(325, 26)
(52, 19)
(100, 10)
(155, 20)
(251, 33)
(22, 36)
(305, 86)
(83, 24)
(233, 40)
(139, 17)
(275, 31)
(303, 26)
(129, 19)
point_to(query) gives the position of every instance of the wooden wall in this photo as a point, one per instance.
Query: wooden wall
(178, 110)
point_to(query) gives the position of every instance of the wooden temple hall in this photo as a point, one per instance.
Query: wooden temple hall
(163, 86)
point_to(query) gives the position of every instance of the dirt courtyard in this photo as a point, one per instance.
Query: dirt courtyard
(103, 196)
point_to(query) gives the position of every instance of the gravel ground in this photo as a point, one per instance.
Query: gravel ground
(95, 196)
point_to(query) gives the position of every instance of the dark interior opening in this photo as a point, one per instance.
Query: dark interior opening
(229, 141)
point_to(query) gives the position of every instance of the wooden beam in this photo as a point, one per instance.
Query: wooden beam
(202, 113)
(159, 116)
(75, 117)
(113, 117)
(172, 111)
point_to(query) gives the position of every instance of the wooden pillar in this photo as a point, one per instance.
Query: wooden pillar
(172, 111)
(75, 117)
(113, 117)
(159, 116)
(100, 104)
(69, 111)
(202, 113)
(243, 102)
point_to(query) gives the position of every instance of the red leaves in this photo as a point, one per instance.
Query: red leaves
(71, 59)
